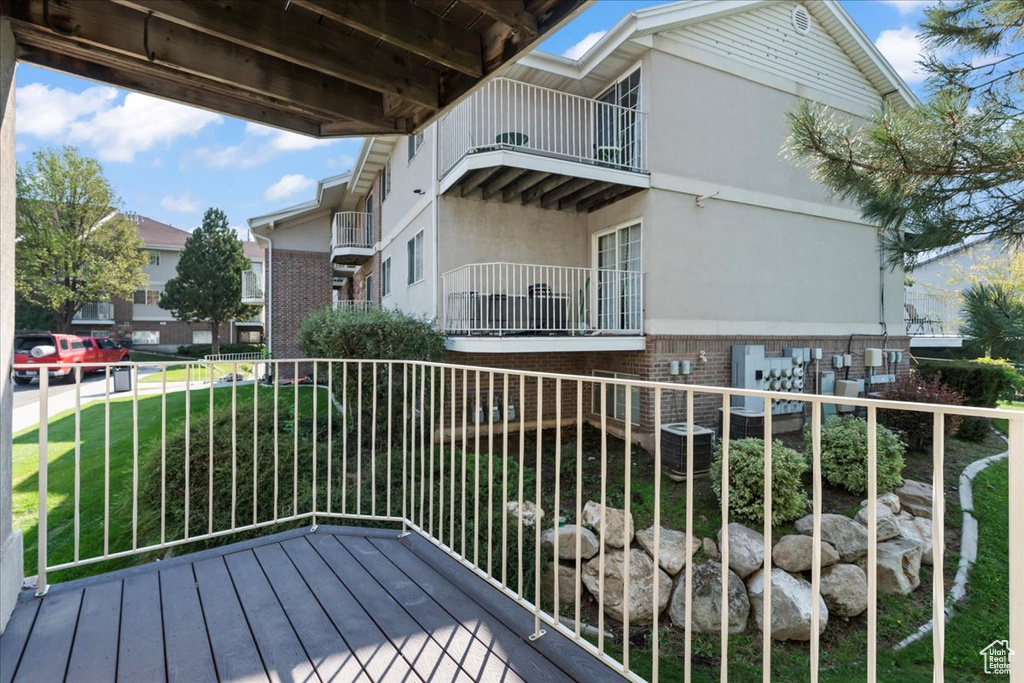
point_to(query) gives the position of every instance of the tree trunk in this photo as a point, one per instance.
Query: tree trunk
(62, 318)
(214, 338)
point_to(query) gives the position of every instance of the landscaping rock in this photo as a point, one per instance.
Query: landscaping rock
(710, 548)
(849, 538)
(672, 548)
(916, 498)
(844, 587)
(791, 605)
(793, 553)
(918, 529)
(615, 522)
(706, 612)
(589, 545)
(889, 500)
(888, 525)
(642, 575)
(566, 582)
(746, 549)
(529, 512)
(899, 566)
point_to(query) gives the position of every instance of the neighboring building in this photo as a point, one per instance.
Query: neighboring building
(145, 324)
(612, 214)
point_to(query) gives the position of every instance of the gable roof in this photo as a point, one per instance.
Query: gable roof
(328, 190)
(157, 234)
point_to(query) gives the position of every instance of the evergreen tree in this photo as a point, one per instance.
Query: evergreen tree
(935, 174)
(208, 284)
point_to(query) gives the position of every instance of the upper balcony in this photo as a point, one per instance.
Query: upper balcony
(932, 319)
(252, 287)
(352, 238)
(98, 314)
(522, 143)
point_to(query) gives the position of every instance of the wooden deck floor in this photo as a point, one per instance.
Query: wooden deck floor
(338, 604)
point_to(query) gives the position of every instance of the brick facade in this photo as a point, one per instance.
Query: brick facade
(173, 333)
(302, 284)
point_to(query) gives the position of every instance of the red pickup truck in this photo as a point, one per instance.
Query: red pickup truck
(66, 350)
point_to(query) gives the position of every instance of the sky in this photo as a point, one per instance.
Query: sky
(171, 162)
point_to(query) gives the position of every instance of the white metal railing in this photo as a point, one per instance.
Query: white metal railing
(510, 114)
(932, 314)
(97, 311)
(361, 305)
(440, 449)
(521, 298)
(352, 229)
(252, 286)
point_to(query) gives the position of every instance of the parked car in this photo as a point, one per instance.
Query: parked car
(66, 350)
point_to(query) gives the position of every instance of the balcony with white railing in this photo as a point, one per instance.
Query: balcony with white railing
(514, 141)
(98, 314)
(252, 287)
(554, 307)
(352, 238)
(357, 305)
(932, 319)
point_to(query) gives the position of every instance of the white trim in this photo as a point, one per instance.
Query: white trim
(155, 319)
(594, 237)
(545, 344)
(772, 328)
(410, 264)
(545, 164)
(91, 321)
(268, 220)
(410, 216)
(954, 342)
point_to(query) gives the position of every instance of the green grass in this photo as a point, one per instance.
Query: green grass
(146, 357)
(1003, 425)
(180, 373)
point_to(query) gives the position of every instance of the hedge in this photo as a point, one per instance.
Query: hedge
(203, 350)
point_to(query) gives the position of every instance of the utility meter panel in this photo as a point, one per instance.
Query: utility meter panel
(751, 370)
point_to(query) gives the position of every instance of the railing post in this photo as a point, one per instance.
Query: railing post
(1015, 477)
(44, 418)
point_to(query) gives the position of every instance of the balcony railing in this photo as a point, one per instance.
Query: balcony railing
(412, 444)
(353, 229)
(520, 299)
(361, 305)
(99, 311)
(928, 314)
(252, 287)
(507, 114)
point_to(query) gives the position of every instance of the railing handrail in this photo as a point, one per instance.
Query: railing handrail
(514, 264)
(352, 229)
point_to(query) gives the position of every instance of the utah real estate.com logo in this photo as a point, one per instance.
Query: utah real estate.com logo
(997, 657)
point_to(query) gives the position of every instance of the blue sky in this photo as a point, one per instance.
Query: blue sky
(170, 162)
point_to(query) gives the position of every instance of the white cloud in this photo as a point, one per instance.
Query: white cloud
(905, 7)
(261, 143)
(288, 185)
(903, 48)
(580, 48)
(183, 204)
(283, 141)
(93, 117)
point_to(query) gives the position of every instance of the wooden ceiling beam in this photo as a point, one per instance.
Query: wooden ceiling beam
(576, 197)
(409, 27)
(512, 13)
(524, 183)
(551, 198)
(606, 198)
(542, 188)
(501, 181)
(266, 28)
(477, 178)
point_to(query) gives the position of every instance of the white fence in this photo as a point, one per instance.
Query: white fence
(98, 311)
(361, 305)
(252, 286)
(507, 114)
(519, 298)
(352, 229)
(931, 314)
(426, 446)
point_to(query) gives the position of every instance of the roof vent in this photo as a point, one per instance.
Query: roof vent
(801, 20)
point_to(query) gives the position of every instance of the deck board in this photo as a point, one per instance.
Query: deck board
(140, 654)
(49, 646)
(189, 657)
(94, 651)
(16, 635)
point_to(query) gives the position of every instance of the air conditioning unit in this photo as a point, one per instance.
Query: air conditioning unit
(673, 450)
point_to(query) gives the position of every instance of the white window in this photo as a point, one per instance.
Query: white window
(370, 216)
(385, 181)
(618, 127)
(415, 142)
(144, 337)
(619, 300)
(368, 292)
(415, 248)
(385, 277)
(154, 258)
(147, 297)
(202, 337)
(249, 337)
(615, 403)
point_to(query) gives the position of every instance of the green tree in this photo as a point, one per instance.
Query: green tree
(208, 284)
(935, 174)
(994, 320)
(72, 246)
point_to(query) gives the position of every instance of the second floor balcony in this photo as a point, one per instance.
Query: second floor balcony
(932, 319)
(252, 287)
(100, 313)
(352, 238)
(517, 142)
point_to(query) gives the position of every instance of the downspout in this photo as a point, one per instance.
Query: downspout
(269, 276)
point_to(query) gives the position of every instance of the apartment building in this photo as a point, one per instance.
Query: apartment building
(142, 321)
(612, 214)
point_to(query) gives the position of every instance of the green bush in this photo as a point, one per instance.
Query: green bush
(366, 335)
(844, 455)
(982, 382)
(746, 480)
(916, 426)
(203, 350)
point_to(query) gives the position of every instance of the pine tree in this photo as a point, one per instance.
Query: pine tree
(208, 284)
(935, 174)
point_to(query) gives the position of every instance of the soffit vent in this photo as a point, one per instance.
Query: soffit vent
(801, 19)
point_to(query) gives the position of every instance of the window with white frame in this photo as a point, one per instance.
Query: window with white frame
(619, 291)
(368, 292)
(615, 401)
(385, 181)
(154, 258)
(144, 337)
(370, 216)
(618, 127)
(250, 337)
(202, 337)
(415, 142)
(415, 253)
(385, 277)
(146, 297)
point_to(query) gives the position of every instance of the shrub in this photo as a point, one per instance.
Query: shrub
(844, 455)
(981, 382)
(746, 480)
(374, 334)
(915, 426)
(203, 350)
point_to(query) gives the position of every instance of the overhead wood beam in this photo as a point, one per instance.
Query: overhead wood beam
(551, 198)
(520, 186)
(512, 13)
(543, 188)
(265, 27)
(606, 197)
(119, 30)
(409, 27)
(576, 197)
(477, 178)
(501, 181)
(150, 84)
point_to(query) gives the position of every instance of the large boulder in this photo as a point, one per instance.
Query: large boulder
(528, 512)
(618, 531)
(791, 605)
(746, 549)
(589, 545)
(888, 526)
(642, 575)
(844, 587)
(567, 585)
(671, 548)
(916, 498)
(706, 612)
(899, 565)
(918, 529)
(889, 500)
(793, 553)
(849, 538)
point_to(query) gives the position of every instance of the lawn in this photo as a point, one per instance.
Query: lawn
(195, 373)
(1003, 425)
(146, 357)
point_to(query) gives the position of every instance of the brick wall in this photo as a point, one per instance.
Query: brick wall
(302, 284)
